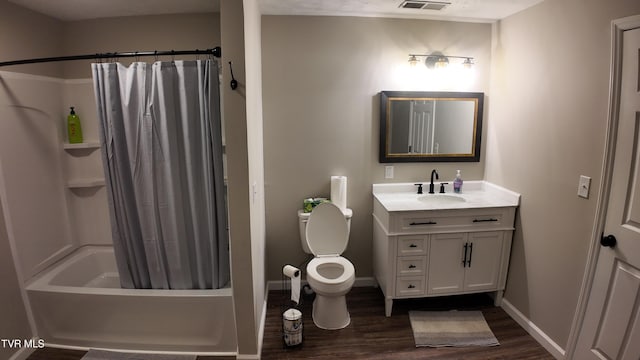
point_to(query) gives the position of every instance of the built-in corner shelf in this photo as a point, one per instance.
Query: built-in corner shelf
(83, 145)
(85, 183)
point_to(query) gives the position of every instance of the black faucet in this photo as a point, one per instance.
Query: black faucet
(442, 187)
(433, 172)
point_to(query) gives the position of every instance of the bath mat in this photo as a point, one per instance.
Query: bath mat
(451, 328)
(114, 355)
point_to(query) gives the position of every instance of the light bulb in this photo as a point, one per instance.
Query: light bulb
(442, 62)
(467, 64)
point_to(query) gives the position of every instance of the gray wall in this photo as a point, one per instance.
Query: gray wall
(321, 77)
(547, 123)
(242, 113)
(26, 34)
(137, 33)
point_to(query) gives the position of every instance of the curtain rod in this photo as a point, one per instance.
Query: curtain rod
(216, 51)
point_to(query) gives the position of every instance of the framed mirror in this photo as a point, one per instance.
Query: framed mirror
(422, 126)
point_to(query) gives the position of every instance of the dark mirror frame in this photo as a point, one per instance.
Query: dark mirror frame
(387, 96)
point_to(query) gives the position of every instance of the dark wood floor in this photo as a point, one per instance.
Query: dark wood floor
(371, 335)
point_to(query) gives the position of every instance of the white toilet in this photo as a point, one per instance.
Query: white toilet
(325, 233)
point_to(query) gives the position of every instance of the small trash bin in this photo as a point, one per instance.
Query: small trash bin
(292, 327)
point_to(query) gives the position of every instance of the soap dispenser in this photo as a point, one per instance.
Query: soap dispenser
(457, 183)
(73, 127)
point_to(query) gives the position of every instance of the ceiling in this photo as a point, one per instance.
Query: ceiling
(71, 10)
(458, 10)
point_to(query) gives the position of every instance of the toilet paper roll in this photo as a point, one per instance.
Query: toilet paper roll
(293, 273)
(339, 191)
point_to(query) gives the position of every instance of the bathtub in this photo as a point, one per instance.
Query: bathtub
(78, 303)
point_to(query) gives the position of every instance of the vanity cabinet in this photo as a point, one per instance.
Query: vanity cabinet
(464, 262)
(441, 252)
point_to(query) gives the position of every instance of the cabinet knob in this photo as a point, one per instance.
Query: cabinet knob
(413, 246)
(412, 266)
(411, 287)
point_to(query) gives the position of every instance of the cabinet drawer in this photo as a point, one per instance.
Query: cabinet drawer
(454, 220)
(412, 245)
(410, 265)
(410, 286)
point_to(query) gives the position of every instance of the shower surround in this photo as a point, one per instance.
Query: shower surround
(60, 236)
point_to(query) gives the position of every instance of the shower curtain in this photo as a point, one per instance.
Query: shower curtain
(162, 153)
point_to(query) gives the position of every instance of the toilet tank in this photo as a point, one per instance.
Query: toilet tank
(303, 217)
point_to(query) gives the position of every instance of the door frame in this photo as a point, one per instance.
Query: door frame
(618, 27)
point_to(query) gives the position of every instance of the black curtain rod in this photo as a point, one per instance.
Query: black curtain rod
(216, 51)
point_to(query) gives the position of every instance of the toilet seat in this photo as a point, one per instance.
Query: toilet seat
(327, 230)
(348, 271)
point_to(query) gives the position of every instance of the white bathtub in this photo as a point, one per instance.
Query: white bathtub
(78, 302)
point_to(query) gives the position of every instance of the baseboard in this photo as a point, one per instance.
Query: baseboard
(22, 354)
(247, 357)
(539, 335)
(263, 322)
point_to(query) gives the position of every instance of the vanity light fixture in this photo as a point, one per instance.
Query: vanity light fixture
(440, 61)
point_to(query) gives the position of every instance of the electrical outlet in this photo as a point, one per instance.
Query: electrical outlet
(583, 186)
(388, 172)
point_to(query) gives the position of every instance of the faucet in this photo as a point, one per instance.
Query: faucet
(433, 172)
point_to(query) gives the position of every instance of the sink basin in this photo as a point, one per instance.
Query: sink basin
(441, 199)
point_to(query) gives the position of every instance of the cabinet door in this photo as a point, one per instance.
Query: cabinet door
(446, 270)
(483, 261)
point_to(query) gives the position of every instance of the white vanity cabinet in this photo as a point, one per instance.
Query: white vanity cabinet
(465, 262)
(442, 251)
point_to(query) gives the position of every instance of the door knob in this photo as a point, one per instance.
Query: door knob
(608, 241)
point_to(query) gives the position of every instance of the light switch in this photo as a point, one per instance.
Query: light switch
(388, 172)
(583, 186)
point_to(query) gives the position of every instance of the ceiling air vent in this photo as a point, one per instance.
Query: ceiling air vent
(423, 5)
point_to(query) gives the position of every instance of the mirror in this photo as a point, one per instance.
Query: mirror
(421, 126)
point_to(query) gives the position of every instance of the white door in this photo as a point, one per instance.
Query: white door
(611, 326)
(485, 254)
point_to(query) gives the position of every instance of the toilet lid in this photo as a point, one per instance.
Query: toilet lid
(327, 230)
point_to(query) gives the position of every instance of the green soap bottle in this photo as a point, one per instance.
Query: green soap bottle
(74, 128)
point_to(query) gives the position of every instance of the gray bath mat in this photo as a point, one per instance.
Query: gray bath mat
(113, 355)
(451, 328)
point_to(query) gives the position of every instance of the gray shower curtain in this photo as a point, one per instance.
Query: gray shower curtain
(162, 153)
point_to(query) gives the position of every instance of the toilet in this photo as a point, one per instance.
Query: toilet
(325, 233)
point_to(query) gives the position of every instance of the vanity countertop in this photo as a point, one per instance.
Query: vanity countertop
(475, 194)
